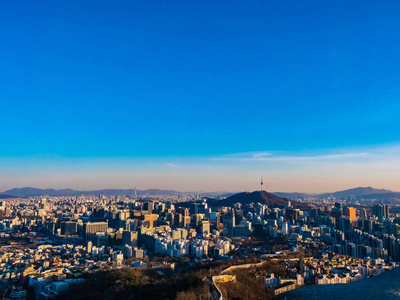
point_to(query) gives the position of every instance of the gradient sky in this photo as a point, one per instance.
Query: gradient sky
(200, 95)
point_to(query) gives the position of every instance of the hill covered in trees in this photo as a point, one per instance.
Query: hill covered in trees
(262, 197)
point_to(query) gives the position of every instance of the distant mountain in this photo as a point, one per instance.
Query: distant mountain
(382, 196)
(258, 196)
(365, 192)
(293, 195)
(356, 192)
(30, 192)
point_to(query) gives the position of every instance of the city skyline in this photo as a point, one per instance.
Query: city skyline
(203, 97)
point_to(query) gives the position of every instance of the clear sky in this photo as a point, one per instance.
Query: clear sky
(200, 95)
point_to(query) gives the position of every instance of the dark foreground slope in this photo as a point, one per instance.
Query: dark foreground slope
(262, 197)
(384, 286)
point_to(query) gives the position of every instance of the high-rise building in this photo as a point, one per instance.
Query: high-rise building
(183, 211)
(314, 213)
(363, 213)
(171, 218)
(148, 207)
(367, 226)
(215, 220)
(131, 224)
(229, 224)
(193, 208)
(129, 238)
(336, 212)
(90, 230)
(98, 213)
(68, 228)
(137, 253)
(102, 239)
(178, 220)
(89, 246)
(195, 219)
(350, 212)
(127, 251)
(285, 227)
(292, 215)
(150, 220)
(186, 221)
(381, 211)
(204, 227)
(202, 208)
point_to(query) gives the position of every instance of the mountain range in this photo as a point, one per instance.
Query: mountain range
(30, 192)
(356, 192)
(360, 192)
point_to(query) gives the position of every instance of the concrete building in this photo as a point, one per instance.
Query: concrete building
(90, 230)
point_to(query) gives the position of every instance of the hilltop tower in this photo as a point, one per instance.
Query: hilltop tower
(262, 185)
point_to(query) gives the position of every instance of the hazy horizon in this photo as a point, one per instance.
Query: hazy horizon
(192, 191)
(282, 172)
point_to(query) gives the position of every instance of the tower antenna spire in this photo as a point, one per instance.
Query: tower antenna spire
(262, 182)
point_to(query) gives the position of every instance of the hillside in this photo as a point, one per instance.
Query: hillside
(5, 196)
(293, 195)
(384, 286)
(258, 196)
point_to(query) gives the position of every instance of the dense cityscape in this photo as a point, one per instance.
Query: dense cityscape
(192, 150)
(51, 246)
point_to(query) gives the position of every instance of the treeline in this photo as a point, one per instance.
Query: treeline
(132, 283)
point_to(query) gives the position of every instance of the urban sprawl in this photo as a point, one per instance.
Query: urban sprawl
(48, 243)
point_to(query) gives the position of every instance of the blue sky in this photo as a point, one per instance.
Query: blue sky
(138, 89)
